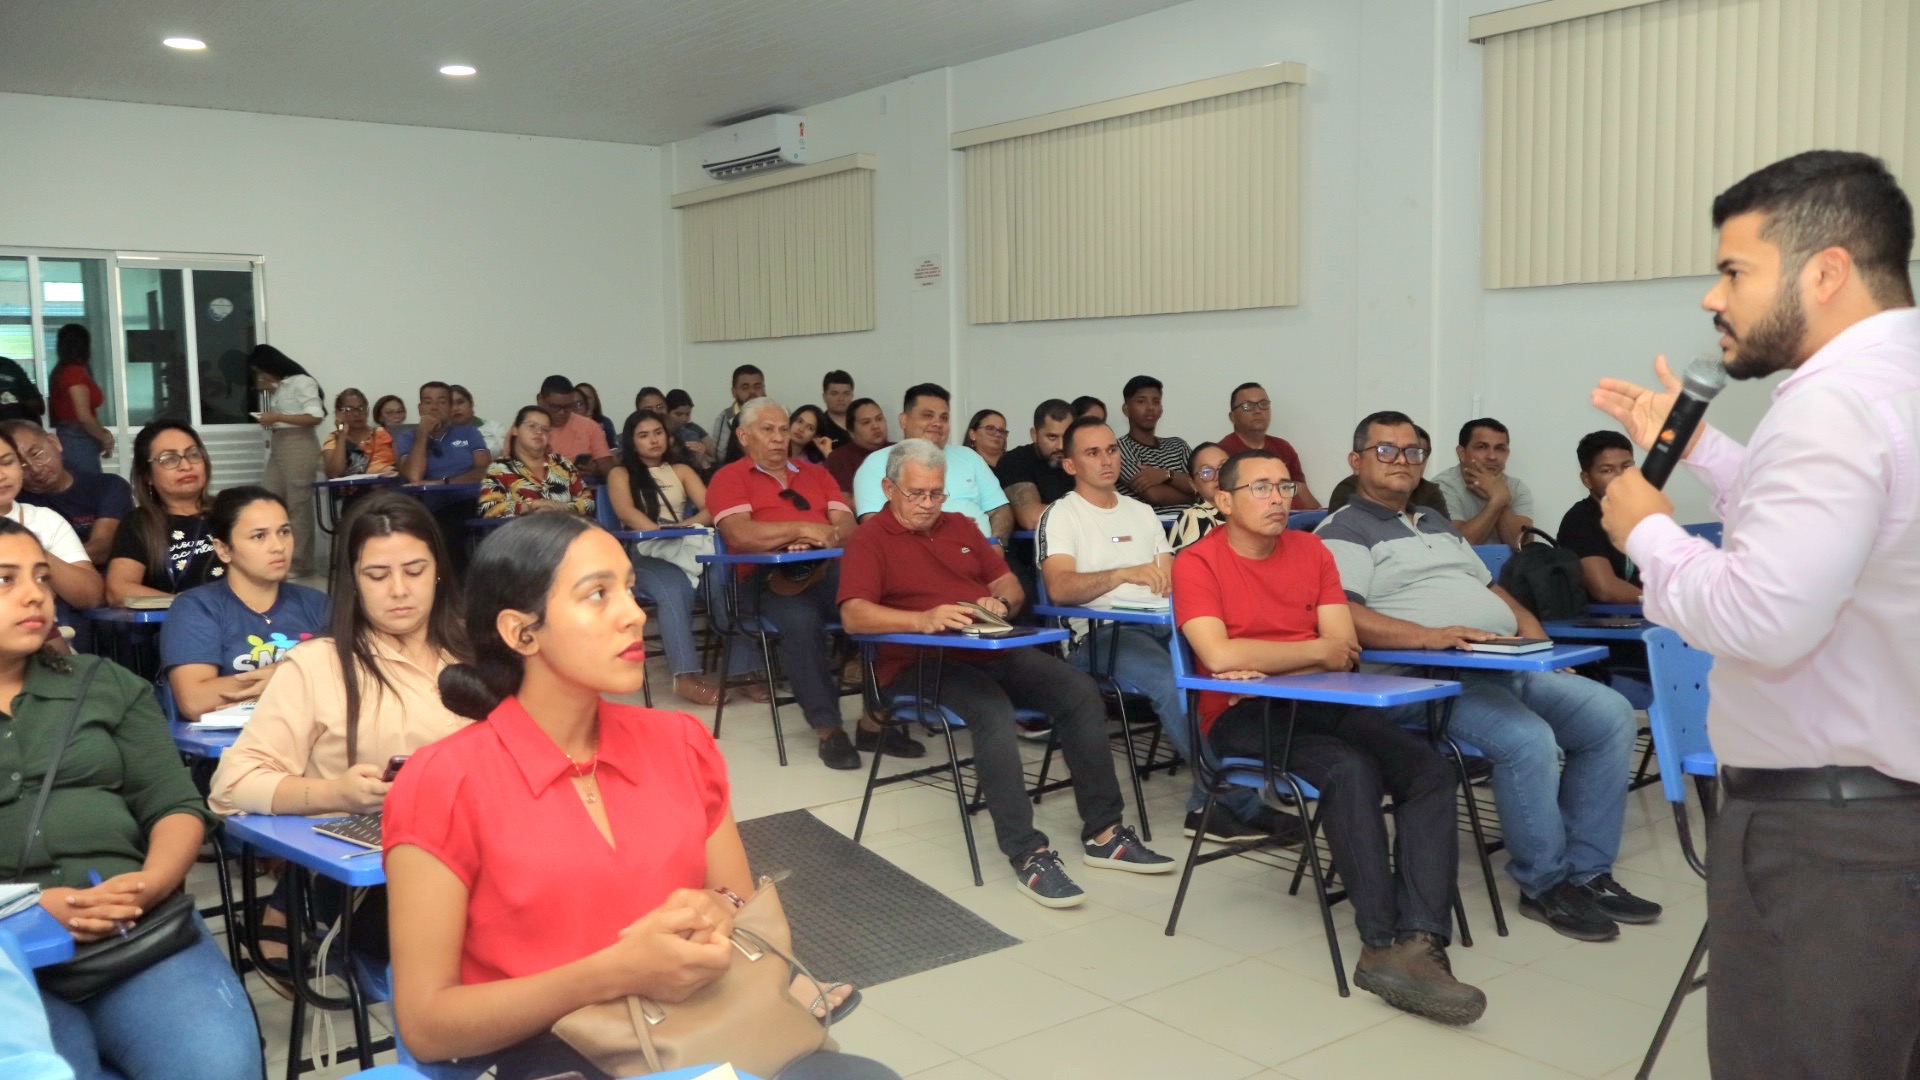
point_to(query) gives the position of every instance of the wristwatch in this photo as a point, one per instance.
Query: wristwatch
(1005, 603)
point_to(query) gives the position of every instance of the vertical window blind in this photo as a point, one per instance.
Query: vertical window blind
(1184, 199)
(1607, 135)
(780, 255)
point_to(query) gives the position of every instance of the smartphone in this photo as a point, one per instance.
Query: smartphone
(393, 767)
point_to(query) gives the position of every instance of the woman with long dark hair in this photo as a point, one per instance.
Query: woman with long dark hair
(655, 488)
(291, 410)
(987, 436)
(76, 400)
(223, 640)
(531, 477)
(569, 850)
(121, 804)
(804, 441)
(590, 408)
(166, 548)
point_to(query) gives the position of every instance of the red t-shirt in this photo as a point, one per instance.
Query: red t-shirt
(495, 804)
(61, 400)
(1232, 444)
(893, 566)
(745, 488)
(1277, 598)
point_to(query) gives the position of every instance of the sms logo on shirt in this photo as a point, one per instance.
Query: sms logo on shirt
(261, 653)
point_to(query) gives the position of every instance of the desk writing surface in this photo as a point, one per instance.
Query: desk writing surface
(1560, 656)
(953, 639)
(41, 936)
(291, 837)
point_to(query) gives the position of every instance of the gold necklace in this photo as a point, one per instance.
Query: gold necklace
(590, 791)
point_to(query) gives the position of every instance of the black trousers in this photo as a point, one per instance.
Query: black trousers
(1813, 940)
(984, 694)
(1355, 757)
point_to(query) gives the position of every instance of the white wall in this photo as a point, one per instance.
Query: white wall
(394, 254)
(1392, 313)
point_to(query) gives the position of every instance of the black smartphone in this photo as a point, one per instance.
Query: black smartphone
(393, 767)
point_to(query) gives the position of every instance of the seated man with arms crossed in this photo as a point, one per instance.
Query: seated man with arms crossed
(1604, 572)
(1097, 546)
(972, 489)
(766, 501)
(1031, 474)
(907, 570)
(1559, 743)
(1153, 468)
(1487, 505)
(1255, 598)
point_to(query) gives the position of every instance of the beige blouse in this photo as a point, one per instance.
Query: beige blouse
(300, 726)
(673, 493)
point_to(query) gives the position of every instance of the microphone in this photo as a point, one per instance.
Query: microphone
(1704, 379)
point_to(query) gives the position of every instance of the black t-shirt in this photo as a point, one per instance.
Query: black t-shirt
(839, 435)
(190, 559)
(92, 497)
(19, 398)
(1024, 465)
(1580, 533)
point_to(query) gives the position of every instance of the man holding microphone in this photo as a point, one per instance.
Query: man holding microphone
(1812, 613)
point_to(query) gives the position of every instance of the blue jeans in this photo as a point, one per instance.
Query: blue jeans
(672, 595)
(1560, 746)
(1141, 659)
(79, 450)
(184, 1018)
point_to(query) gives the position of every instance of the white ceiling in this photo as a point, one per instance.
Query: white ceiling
(635, 71)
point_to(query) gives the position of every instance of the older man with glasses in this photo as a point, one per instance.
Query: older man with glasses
(767, 501)
(93, 503)
(1250, 411)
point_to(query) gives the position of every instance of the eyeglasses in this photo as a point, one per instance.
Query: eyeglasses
(579, 406)
(934, 496)
(1385, 453)
(171, 460)
(39, 456)
(798, 500)
(1264, 489)
(354, 409)
(535, 429)
(989, 429)
(1206, 472)
(1254, 406)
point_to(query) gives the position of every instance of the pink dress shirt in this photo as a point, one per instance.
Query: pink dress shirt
(1812, 608)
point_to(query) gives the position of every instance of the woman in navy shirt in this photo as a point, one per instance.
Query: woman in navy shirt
(221, 640)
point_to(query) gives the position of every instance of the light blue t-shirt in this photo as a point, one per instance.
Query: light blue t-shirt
(209, 625)
(972, 488)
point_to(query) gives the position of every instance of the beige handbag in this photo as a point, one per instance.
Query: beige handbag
(747, 1017)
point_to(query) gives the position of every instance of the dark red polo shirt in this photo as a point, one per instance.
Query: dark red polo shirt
(845, 461)
(892, 566)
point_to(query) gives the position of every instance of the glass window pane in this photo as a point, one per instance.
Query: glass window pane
(224, 335)
(75, 291)
(16, 317)
(153, 311)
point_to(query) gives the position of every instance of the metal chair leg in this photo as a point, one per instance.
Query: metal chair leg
(1133, 766)
(1320, 890)
(773, 696)
(1186, 872)
(1479, 837)
(1690, 980)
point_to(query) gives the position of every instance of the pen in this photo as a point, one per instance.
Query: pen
(119, 925)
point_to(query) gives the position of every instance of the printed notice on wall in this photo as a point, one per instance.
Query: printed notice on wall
(927, 272)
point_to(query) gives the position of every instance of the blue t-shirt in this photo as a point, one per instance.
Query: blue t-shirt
(209, 625)
(92, 497)
(448, 454)
(971, 487)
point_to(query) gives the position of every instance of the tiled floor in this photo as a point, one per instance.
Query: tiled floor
(1244, 990)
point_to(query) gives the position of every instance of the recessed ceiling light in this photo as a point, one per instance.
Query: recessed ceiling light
(187, 44)
(458, 69)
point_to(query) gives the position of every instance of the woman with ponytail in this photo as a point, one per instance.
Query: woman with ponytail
(569, 850)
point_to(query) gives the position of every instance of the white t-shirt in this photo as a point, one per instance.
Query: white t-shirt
(1129, 534)
(297, 395)
(52, 531)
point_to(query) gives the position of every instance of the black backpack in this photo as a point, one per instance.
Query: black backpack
(1545, 578)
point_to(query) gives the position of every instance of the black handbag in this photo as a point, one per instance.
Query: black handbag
(166, 928)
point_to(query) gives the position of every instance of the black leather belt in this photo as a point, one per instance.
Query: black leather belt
(1834, 783)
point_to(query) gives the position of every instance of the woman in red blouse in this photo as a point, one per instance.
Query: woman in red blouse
(75, 402)
(584, 841)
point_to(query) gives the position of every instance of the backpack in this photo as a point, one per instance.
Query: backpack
(1545, 578)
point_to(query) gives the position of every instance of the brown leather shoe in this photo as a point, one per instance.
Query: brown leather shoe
(1414, 975)
(698, 689)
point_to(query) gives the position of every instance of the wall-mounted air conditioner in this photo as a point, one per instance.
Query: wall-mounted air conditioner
(767, 142)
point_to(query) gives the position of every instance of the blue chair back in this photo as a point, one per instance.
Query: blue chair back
(603, 508)
(1306, 519)
(1710, 531)
(1678, 715)
(163, 695)
(1494, 555)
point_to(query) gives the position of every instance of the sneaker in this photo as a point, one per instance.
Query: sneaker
(891, 740)
(1414, 975)
(1280, 828)
(1042, 878)
(837, 751)
(1569, 910)
(1037, 730)
(1124, 851)
(1619, 904)
(1223, 827)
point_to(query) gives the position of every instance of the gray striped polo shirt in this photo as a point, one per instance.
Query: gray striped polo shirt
(1421, 571)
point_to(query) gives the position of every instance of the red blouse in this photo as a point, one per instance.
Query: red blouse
(495, 804)
(61, 400)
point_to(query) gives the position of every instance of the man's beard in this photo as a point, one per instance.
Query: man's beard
(1774, 342)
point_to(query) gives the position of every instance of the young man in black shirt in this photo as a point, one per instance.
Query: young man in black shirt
(1603, 568)
(1031, 475)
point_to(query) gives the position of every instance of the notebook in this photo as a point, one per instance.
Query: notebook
(233, 716)
(1510, 646)
(15, 899)
(148, 603)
